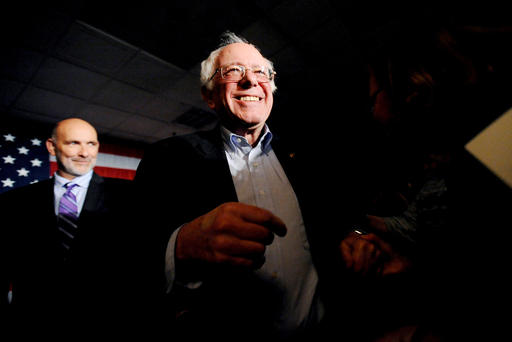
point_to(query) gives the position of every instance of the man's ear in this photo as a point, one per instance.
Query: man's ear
(206, 94)
(50, 146)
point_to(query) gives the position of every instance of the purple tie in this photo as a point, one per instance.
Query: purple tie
(68, 216)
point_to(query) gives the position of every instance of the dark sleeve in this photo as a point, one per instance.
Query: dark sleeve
(155, 210)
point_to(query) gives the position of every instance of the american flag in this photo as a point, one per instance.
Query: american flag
(24, 159)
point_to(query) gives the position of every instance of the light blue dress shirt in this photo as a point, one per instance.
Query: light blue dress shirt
(80, 191)
(260, 180)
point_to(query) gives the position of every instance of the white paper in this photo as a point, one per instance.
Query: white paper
(493, 147)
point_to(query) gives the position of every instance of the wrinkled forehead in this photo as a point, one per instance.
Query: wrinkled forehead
(240, 53)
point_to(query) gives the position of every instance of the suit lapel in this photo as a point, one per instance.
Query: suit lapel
(211, 146)
(94, 197)
(212, 149)
(49, 198)
(94, 204)
(48, 204)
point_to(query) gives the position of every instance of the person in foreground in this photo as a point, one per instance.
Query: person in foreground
(238, 261)
(59, 255)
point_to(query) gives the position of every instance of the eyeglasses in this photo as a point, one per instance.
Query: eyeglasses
(235, 73)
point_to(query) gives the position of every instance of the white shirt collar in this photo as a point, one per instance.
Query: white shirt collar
(82, 181)
(234, 141)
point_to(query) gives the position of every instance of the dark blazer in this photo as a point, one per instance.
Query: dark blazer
(32, 264)
(183, 177)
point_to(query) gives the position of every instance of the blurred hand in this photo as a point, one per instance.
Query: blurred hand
(361, 254)
(231, 234)
(394, 262)
(369, 254)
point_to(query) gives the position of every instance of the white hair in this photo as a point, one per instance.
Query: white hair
(208, 65)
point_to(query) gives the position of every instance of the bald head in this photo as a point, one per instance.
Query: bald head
(75, 144)
(72, 123)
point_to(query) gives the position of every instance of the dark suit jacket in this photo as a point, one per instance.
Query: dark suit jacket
(183, 177)
(90, 284)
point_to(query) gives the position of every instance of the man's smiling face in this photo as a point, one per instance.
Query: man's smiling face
(246, 103)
